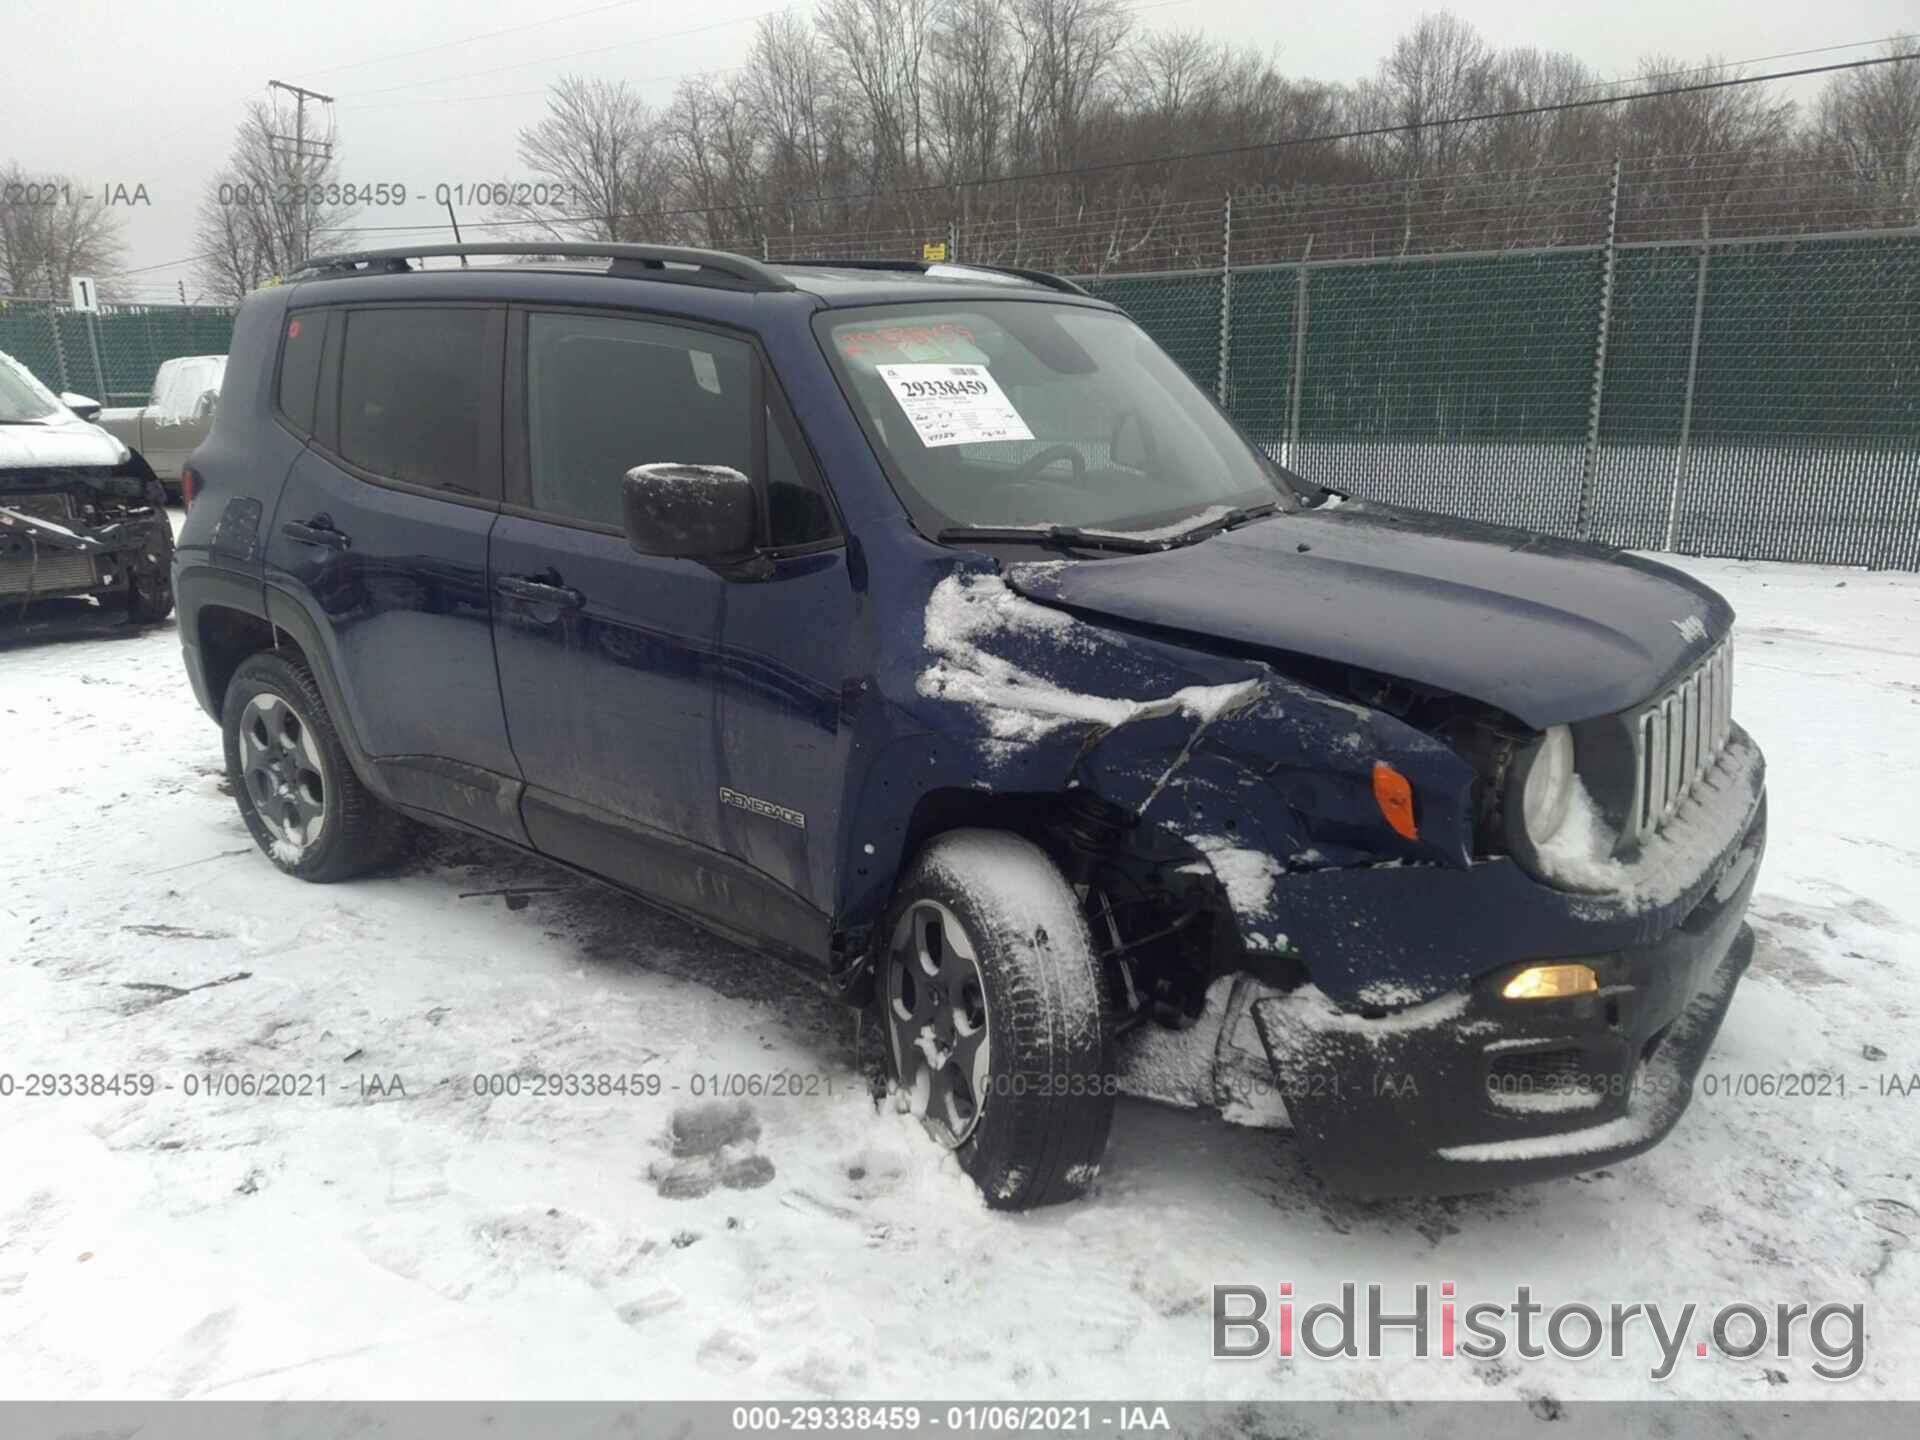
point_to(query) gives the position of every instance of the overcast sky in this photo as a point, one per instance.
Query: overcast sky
(148, 93)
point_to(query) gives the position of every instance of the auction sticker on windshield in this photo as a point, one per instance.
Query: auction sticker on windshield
(954, 404)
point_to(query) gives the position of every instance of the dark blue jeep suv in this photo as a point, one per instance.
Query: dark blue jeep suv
(927, 627)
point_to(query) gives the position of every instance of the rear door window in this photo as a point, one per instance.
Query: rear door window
(419, 389)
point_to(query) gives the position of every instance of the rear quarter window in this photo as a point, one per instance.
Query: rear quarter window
(302, 339)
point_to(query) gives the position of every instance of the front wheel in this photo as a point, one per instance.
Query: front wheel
(150, 582)
(991, 998)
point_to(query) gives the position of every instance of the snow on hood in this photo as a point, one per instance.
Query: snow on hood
(181, 383)
(61, 441)
(967, 610)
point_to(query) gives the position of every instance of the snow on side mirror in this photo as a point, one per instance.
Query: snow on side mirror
(690, 512)
(85, 408)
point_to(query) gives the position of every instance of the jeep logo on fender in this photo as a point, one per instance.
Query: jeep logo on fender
(755, 806)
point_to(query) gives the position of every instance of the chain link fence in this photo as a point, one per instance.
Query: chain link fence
(1711, 353)
(1756, 397)
(1663, 354)
(111, 356)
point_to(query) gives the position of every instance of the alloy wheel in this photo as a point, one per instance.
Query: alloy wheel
(285, 776)
(937, 1021)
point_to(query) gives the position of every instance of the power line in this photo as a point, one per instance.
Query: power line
(571, 54)
(543, 90)
(469, 39)
(1220, 152)
(1729, 64)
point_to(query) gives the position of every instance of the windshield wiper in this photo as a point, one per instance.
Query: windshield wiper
(1232, 520)
(1063, 536)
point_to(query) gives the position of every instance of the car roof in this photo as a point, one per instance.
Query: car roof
(842, 283)
(832, 283)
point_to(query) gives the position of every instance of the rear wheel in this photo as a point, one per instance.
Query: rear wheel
(298, 794)
(991, 998)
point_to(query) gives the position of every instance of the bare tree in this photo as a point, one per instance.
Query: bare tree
(52, 228)
(1727, 123)
(972, 91)
(712, 146)
(1072, 49)
(884, 48)
(1438, 70)
(266, 210)
(1172, 80)
(602, 145)
(897, 118)
(1871, 120)
(792, 88)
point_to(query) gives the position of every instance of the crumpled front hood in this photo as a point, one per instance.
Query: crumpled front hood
(1550, 631)
(60, 443)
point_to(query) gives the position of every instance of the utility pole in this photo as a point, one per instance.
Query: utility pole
(298, 154)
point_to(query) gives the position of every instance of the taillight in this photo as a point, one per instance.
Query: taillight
(189, 482)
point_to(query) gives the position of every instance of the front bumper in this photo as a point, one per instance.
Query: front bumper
(46, 553)
(1468, 1091)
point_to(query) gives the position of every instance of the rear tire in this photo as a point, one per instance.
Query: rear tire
(303, 804)
(990, 994)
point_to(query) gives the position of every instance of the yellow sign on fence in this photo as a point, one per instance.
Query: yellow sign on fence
(934, 250)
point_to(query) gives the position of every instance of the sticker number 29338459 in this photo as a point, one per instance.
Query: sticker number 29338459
(954, 404)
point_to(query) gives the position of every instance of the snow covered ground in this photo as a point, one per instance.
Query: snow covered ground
(420, 1240)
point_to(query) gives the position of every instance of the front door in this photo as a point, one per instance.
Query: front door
(608, 657)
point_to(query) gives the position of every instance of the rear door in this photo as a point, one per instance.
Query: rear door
(608, 657)
(377, 553)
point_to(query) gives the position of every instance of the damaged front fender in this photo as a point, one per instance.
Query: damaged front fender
(1248, 774)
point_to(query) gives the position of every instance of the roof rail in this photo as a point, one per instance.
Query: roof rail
(643, 262)
(1036, 277)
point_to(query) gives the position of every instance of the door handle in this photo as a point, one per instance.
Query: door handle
(317, 531)
(540, 592)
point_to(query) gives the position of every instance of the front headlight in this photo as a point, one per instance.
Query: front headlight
(1543, 775)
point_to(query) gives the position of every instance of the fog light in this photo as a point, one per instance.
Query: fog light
(1551, 982)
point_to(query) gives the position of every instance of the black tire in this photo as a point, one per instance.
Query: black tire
(1028, 1120)
(329, 826)
(150, 583)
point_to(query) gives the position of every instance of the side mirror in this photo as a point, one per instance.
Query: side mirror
(204, 407)
(690, 512)
(80, 405)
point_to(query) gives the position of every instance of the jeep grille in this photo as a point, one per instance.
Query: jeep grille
(1677, 738)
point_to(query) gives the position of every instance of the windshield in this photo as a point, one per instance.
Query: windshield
(1031, 415)
(21, 396)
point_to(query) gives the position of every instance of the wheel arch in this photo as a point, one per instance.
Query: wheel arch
(226, 635)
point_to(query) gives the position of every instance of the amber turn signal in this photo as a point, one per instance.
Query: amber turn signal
(1394, 796)
(1551, 982)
